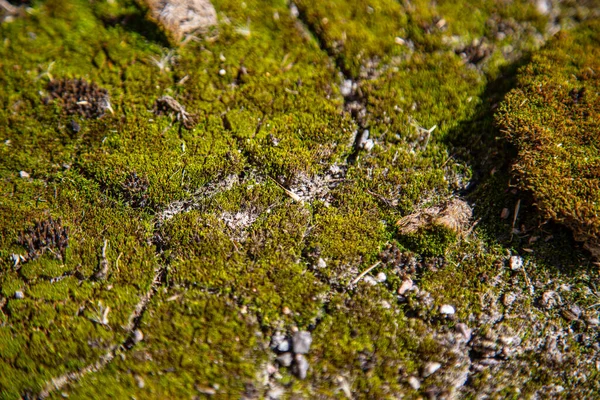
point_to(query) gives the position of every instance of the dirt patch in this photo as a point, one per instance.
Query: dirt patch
(79, 97)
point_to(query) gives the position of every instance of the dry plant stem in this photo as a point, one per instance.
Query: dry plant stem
(9, 8)
(365, 272)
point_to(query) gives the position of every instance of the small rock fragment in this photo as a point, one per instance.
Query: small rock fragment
(386, 305)
(138, 336)
(23, 174)
(505, 213)
(346, 87)
(19, 295)
(284, 346)
(430, 368)
(183, 17)
(285, 359)
(406, 285)
(277, 339)
(275, 393)
(300, 366)
(381, 277)
(139, 381)
(370, 280)
(302, 341)
(414, 382)
(369, 144)
(286, 310)
(447, 309)
(321, 263)
(515, 262)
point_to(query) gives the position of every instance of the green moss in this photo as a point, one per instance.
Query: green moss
(552, 119)
(239, 257)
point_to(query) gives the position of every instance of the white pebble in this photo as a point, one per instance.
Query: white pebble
(516, 262)
(381, 277)
(430, 368)
(321, 263)
(406, 285)
(138, 336)
(23, 174)
(368, 145)
(370, 280)
(447, 309)
(19, 295)
(222, 72)
(414, 382)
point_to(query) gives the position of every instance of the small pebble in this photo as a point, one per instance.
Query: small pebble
(405, 286)
(346, 87)
(276, 340)
(368, 145)
(138, 336)
(321, 263)
(430, 368)
(222, 72)
(285, 359)
(516, 262)
(386, 305)
(275, 393)
(139, 381)
(284, 346)
(370, 280)
(447, 309)
(505, 213)
(414, 382)
(381, 277)
(23, 174)
(300, 366)
(19, 295)
(302, 341)
(286, 311)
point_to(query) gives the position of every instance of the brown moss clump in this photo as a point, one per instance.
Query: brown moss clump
(553, 119)
(135, 190)
(48, 235)
(453, 215)
(79, 97)
(166, 105)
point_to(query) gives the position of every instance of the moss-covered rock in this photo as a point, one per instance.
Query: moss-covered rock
(553, 117)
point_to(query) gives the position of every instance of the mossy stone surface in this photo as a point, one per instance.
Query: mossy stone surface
(552, 117)
(190, 246)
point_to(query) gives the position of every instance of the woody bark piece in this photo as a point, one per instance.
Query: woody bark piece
(182, 17)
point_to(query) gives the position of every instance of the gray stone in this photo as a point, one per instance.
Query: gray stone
(302, 341)
(285, 359)
(300, 366)
(284, 346)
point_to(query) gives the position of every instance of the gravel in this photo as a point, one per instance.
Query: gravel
(302, 341)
